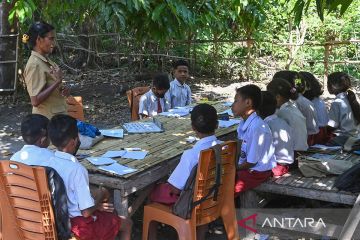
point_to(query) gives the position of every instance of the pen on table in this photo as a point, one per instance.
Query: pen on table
(131, 149)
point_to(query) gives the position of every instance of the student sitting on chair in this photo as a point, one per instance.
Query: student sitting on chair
(179, 94)
(281, 133)
(35, 134)
(90, 219)
(257, 156)
(154, 101)
(204, 122)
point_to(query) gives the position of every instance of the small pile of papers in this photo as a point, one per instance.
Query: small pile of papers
(110, 165)
(228, 123)
(177, 112)
(115, 133)
(131, 153)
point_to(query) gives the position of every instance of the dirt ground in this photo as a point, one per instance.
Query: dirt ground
(105, 105)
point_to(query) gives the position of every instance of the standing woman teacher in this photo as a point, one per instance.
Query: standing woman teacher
(42, 76)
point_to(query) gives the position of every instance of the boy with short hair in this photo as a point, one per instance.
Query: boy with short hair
(154, 101)
(179, 93)
(257, 150)
(35, 134)
(281, 132)
(204, 122)
(89, 219)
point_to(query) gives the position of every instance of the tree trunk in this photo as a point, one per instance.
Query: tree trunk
(8, 44)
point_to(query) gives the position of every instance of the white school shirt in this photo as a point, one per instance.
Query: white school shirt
(148, 104)
(341, 116)
(179, 95)
(282, 139)
(321, 111)
(76, 181)
(189, 160)
(257, 144)
(33, 155)
(307, 108)
(292, 116)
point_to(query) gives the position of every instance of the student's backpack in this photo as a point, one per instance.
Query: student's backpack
(184, 205)
(349, 180)
(59, 204)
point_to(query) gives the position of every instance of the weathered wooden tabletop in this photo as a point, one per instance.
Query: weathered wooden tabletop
(164, 150)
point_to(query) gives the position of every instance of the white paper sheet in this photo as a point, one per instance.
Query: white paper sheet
(229, 111)
(142, 127)
(114, 154)
(138, 155)
(177, 112)
(324, 147)
(97, 161)
(229, 123)
(117, 169)
(227, 104)
(116, 133)
(191, 139)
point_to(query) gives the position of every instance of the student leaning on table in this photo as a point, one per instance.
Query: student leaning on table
(43, 77)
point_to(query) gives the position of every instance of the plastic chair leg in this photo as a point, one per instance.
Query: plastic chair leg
(229, 219)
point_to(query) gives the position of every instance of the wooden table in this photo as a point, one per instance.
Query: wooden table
(164, 149)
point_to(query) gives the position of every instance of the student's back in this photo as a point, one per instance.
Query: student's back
(282, 139)
(307, 109)
(34, 133)
(344, 113)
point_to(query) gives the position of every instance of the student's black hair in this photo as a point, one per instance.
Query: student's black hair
(38, 29)
(180, 62)
(251, 92)
(279, 86)
(161, 81)
(33, 127)
(268, 104)
(204, 118)
(314, 87)
(293, 78)
(62, 128)
(339, 82)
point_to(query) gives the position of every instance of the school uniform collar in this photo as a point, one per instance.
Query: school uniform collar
(341, 95)
(269, 118)
(38, 55)
(178, 83)
(65, 156)
(205, 140)
(288, 103)
(248, 121)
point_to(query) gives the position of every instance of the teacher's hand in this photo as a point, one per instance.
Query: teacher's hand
(65, 91)
(57, 74)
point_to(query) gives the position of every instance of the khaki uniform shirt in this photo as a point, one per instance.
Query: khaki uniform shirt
(37, 77)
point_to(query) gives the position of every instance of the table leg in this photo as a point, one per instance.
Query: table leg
(121, 203)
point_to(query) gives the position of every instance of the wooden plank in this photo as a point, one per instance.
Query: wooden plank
(328, 196)
(352, 222)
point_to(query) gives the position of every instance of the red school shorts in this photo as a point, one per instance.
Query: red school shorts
(162, 194)
(280, 170)
(101, 226)
(249, 179)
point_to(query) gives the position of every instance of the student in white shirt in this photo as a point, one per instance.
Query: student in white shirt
(204, 122)
(344, 113)
(313, 93)
(281, 132)
(90, 219)
(154, 101)
(179, 94)
(287, 110)
(305, 106)
(34, 133)
(257, 150)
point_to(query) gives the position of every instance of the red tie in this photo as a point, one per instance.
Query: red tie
(159, 109)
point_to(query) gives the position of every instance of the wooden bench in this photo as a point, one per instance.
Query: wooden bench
(295, 184)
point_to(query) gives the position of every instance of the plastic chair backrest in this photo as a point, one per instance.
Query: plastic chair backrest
(75, 107)
(210, 210)
(25, 203)
(133, 96)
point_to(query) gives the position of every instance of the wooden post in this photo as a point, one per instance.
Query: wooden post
(326, 64)
(249, 43)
